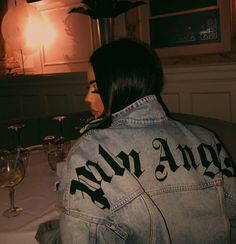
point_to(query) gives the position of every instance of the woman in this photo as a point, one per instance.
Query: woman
(136, 175)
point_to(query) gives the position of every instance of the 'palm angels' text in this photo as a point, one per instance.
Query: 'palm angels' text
(209, 160)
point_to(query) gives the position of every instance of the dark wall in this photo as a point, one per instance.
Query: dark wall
(32, 96)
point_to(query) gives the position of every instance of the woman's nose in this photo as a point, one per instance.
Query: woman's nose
(87, 98)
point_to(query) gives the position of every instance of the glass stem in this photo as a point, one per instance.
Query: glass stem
(18, 138)
(61, 129)
(12, 196)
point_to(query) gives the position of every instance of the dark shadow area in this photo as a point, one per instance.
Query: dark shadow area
(37, 128)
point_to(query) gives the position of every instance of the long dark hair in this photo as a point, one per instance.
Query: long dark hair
(125, 71)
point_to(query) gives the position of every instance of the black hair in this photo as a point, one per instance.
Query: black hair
(125, 71)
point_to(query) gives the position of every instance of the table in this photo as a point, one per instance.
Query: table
(36, 195)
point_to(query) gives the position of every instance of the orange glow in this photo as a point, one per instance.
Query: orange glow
(33, 33)
(50, 33)
(22, 28)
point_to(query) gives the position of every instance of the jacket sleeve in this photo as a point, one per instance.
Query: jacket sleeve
(228, 168)
(85, 216)
(101, 200)
(80, 229)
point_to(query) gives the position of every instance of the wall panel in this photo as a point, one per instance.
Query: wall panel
(9, 107)
(215, 105)
(203, 90)
(195, 90)
(32, 105)
(41, 95)
(172, 101)
(56, 103)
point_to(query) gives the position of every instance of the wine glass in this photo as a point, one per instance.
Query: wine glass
(12, 172)
(59, 146)
(47, 143)
(56, 154)
(62, 143)
(60, 119)
(22, 152)
(17, 129)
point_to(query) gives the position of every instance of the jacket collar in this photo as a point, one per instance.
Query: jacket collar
(146, 110)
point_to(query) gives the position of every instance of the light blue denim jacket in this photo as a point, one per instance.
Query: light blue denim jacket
(147, 179)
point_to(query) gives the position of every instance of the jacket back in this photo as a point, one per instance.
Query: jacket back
(148, 179)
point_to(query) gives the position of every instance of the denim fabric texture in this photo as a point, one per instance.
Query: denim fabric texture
(147, 179)
(49, 232)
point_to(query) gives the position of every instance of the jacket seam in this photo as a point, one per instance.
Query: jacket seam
(150, 217)
(98, 221)
(123, 201)
(142, 121)
(231, 196)
(134, 105)
(81, 215)
(171, 189)
(225, 219)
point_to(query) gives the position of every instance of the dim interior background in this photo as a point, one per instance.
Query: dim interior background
(51, 79)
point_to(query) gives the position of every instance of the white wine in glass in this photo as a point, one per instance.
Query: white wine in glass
(59, 147)
(23, 153)
(12, 172)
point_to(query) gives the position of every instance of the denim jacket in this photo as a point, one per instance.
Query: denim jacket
(148, 179)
